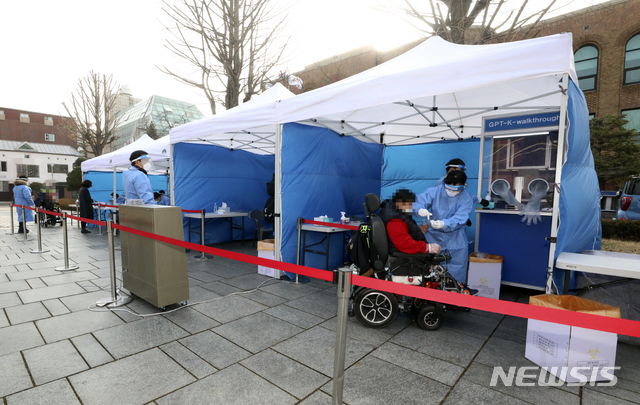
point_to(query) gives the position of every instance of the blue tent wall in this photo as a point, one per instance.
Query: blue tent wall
(418, 167)
(323, 173)
(102, 184)
(580, 227)
(205, 175)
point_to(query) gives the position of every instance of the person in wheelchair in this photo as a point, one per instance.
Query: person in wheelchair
(404, 233)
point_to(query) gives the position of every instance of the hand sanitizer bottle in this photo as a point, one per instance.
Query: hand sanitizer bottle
(215, 207)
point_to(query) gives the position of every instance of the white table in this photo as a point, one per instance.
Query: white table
(328, 230)
(208, 216)
(600, 262)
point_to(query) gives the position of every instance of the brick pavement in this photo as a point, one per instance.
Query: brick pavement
(270, 346)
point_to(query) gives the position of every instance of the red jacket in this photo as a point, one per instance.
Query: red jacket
(398, 231)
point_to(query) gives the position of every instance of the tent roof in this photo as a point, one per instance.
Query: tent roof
(249, 126)
(158, 150)
(437, 90)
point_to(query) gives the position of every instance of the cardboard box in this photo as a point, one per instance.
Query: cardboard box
(485, 275)
(266, 250)
(570, 353)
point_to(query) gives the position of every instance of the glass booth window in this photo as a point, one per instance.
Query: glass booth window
(586, 61)
(519, 159)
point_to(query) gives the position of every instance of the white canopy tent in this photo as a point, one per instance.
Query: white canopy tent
(118, 160)
(249, 126)
(436, 91)
(158, 151)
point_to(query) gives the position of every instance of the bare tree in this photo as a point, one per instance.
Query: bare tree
(231, 43)
(92, 110)
(473, 21)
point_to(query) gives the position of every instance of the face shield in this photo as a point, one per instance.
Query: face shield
(457, 167)
(147, 164)
(452, 190)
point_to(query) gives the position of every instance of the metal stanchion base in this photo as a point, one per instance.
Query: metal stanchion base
(62, 268)
(39, 251)
(10, 233)
(203, 258)
(121, 300)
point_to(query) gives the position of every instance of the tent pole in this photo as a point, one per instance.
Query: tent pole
(480, 184)
(114, 186)
(173, 200)
(555, 219)
(277, 224)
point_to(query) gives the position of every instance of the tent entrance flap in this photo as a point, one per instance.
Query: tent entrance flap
(323, 173)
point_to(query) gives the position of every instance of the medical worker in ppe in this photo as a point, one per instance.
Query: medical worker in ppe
(135, 180)
(450, 206)
(22, 196)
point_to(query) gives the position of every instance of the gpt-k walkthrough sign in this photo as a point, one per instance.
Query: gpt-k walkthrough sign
(540, 120)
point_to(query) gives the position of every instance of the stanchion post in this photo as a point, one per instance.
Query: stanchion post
(39, 232)
(300, 220)
(11, 212)
(344, 291)
(65, 241)
(24, 224)
(117, 299)
(99, 219)
(203, 213)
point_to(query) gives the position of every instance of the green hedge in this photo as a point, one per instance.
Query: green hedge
(622, 230)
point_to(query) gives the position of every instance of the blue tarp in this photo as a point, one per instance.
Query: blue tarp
(205, 175)
(580, 227)
(102, 184)
(323, 173)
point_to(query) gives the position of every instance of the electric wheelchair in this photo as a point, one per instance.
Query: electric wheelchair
(376, 309)
(48, 219)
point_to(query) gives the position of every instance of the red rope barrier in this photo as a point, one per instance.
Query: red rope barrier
(89, 221)
(331, 224)
(26, 207)
(291, 268)
(107, 205)
(588, 321)
(57, 214)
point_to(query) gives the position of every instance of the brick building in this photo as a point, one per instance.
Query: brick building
(606, 39)
(35, 145)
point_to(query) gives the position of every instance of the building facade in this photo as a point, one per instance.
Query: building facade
(165, 113)
(606, 40)
(35, 145)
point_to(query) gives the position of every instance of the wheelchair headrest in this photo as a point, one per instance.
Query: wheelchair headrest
(372, 202)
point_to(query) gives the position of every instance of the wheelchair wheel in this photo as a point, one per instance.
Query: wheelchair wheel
(428, 318)
(375, 309)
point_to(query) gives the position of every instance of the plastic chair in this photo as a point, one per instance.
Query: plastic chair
(260, 230)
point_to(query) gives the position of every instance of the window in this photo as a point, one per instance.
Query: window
(3, 166)
(632, 61)
(28, 170)
(53, 168)
(24, 117)
(49, 137)
(632, 187)
(1, 114)
(586, 60)
(48, 121)
(4, 186)
(633, 116)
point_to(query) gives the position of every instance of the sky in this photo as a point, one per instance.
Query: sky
(48, 46)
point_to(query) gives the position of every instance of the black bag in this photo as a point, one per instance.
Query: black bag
(269, 207)
(359, 248)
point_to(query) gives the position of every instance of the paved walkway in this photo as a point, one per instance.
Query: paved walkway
(234, 346)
